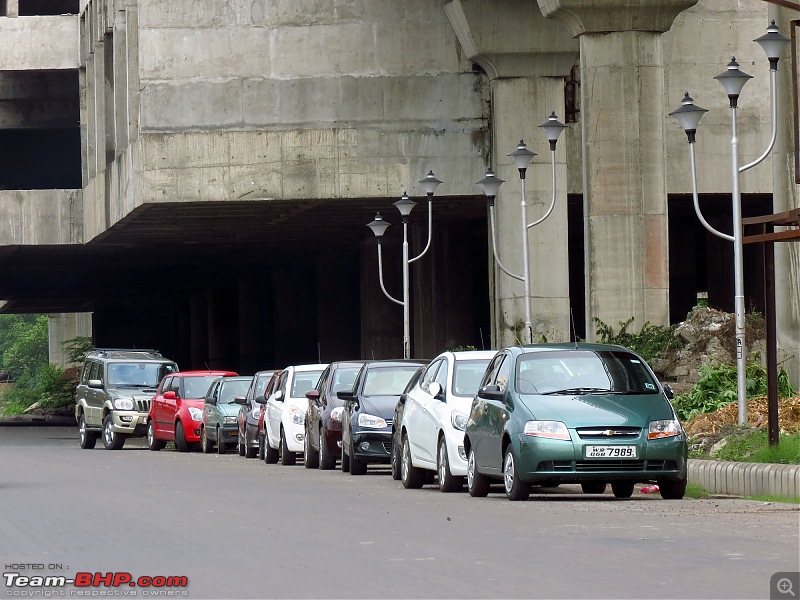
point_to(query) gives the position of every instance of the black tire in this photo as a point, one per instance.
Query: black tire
(357, 467)
(271, 455)
(221, 447)
(345, 461)
(412, 477)
(249, 451)
(593, 487)
(448, 482)
(239, 447)
(152, 441)
(287, 458)
(310, 457)
(327, 460)
(261, 449)
(111, 439)
(181, 445)
(516, 489)
(672, 489)
(395, 460)
(622, 489)
(477, 484)
(87, 438)
(205, 443)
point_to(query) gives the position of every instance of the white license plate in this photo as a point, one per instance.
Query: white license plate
(610, 452)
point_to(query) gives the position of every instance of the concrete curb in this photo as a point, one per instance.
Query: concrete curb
(38, 420)
(746, 479)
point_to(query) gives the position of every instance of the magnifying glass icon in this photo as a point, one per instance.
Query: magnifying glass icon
(784, 586)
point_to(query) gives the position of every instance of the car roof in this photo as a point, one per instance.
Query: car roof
(400, 362)
(569, 346)
(472, 354)
(206, 373)
(315, 367)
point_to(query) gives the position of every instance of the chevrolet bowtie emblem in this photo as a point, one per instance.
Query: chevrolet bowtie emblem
(609, 432)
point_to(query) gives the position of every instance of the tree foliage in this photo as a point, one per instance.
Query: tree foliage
(651, 341)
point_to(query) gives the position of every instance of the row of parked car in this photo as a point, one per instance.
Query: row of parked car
(537, 415)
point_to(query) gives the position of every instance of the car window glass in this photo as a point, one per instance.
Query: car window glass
(164, 385)
(136, 374)
(503, 374)
(261, 384)
(232, 388)
(467, 376)
(344, 379)
(429, 375)
(388, 381)
(96, 371)
(441, 375)
(196, 387)
(491, 371)
(303, 382)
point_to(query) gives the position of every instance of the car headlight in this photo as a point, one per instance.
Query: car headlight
(297, 416)
(231, 420)
(458, 420)
(336, 414)
(123, 403)
(664, 428)
(553, 430)
(195, 413)
(371, 421)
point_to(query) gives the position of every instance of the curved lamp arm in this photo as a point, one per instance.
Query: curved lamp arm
(380, 277)
(774, 116)
(430, 230)
(705, 223)
(553, 200)
(494, 247)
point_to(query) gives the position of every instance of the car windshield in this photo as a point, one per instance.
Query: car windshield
(571, 372)
(468, 375)
(232, 388)
(196, 387)
(388, 381)
(304, 381)
(138, 374)
(344, 379)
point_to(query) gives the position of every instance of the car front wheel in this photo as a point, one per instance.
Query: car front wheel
(516, 489)
(221, 447)
(593, 487)
(477, 484)
(622, 489)
(261, 449)
(447, 481)
(412, 477)
(152, 441)
(180, 438)
(326, 459)
(672, 489)
(88, 438)
(111, 439)
(288, 458)
(206, 444)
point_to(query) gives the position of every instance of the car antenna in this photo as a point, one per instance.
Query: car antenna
(574, 331)
(319, 353)
(483, 344)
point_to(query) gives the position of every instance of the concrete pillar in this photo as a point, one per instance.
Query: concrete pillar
(526, 58)
(623, 120)
(62, 327)
(786, 196)
(12, 8)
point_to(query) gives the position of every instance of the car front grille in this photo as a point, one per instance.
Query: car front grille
(608, 433)
(143, 405)
(595, 466)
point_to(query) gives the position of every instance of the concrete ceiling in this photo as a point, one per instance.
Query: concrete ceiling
(223, 240)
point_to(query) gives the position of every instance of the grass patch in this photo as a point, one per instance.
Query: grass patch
(696, 491)
(752, 445)
(781, 499)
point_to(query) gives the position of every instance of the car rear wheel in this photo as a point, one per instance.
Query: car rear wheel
(395, 460)
(221, 447)
(152, 441)
(672, 489)
(593, 487)
(447, 481)
(310, 457)
(411, 476)
(345, 461)
(477, 484)
(516, 489)
(88, 438)
(205, 444)
(111, 439)
(181, 445)
(622, 489)
(287, 458)
(327, 460)
(249, 450)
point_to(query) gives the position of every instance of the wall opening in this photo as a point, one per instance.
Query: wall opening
(29, 8)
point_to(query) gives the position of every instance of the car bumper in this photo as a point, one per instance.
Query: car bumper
(129, 422)
(333, 438)
(565, 462)
(229, 435)
(372, 446)
(456, 457)
(295, 435)
(191, 431)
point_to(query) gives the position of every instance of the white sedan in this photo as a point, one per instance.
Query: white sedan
(286, 413)
(434, 416)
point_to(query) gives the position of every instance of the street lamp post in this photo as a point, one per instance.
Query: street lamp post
(689, 115)
(491, 184)
(378, 226)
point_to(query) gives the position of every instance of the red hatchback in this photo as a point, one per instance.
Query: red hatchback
(176, 410)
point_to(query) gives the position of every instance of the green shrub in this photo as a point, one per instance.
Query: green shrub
(651, 341)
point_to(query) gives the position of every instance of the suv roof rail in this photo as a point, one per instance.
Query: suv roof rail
(106, 351)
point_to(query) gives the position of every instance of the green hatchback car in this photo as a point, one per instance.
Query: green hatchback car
(220, 425)
(591, 414)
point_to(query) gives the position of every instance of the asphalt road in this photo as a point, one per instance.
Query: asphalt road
(237, 528)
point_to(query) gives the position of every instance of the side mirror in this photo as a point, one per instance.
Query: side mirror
(435, 390)
(491, 392)
(346, 395)
(94, 383)
(312, 395)
(668, 391)
(260, 399)
(170, 395)
(211, 400)
(240, 400)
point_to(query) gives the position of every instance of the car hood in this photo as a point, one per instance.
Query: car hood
(608, 410)
(380, 406)
(229, 409)
(136, 393)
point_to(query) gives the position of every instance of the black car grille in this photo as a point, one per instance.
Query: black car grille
(143, 405)
(608, 433)
(594, 466)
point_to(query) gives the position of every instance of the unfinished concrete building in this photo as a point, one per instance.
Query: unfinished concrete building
(197, 175)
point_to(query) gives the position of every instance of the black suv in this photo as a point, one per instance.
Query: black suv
(114, 392)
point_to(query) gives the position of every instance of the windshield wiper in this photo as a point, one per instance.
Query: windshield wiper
(579, 391)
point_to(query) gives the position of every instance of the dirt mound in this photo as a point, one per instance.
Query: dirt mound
(710, 424)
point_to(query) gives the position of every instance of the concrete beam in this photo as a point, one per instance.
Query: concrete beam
(39, 43)
(604, 16)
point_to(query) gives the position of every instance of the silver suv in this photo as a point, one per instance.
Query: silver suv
(114, 392)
